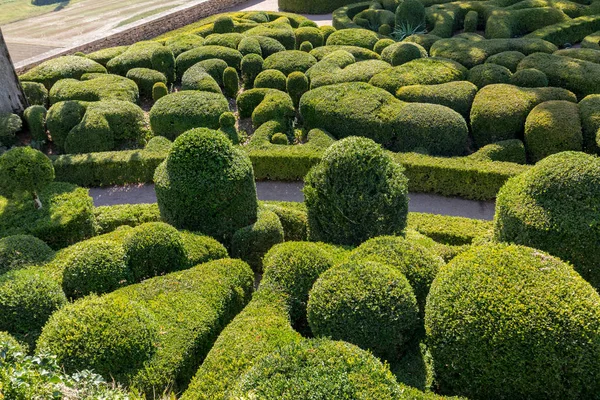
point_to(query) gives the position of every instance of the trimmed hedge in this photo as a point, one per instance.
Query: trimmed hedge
(20, 251)
(103, 56)
(206, 185)
(232, 57)
(200, 249)
(10, 124)
(35, 121)
(589, 110)
(511, 150)
(311, 6)
(271, 79)
(290, 61)
(569, 31)
(402, 52)
(488, 74)
(454, 231)
(36, 93)
(353, 37)
(265, 105)
(498, 310)
(552, 127)
(67, 215)
(145, 79)
(181, 111)
(24, 172)
(356, 192)
(181, 43)
(135, 334)
(359, 53)
(109, 218)
(552, 207)
(95, 87)
(51, 71)
(368, 304)
(499, 111)
(206, 76)
(458, 95)
(509, 59)
(529, 77)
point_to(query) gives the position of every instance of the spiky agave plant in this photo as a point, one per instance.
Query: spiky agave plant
(406, 29)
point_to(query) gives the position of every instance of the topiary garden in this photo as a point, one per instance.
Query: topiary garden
(213, 294)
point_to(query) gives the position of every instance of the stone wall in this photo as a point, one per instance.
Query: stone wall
(142, 30)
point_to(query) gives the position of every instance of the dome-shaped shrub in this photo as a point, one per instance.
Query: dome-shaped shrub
(22, 250)
(508, 322)
(488, 74)
(252, 65)
(271, 79)
(290, 61)
(356, 192)
(508, 59)
(369, 304)
(529, 77)
(112, 335)
(93, 266)
(24, 170)
(158, 144)
(318, 369)
(419, 264)
(154, 248)
(206, 185)
(200, 249)
(552, 127)
(554, 207)
(402, 52)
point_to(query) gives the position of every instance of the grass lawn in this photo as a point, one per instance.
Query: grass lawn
(16, 10)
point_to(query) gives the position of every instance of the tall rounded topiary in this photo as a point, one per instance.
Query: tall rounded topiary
(159, 90)
(252, 65)
(25, 170)
(368, 304)
(19, 251)
(554, 207)
(231, 82)
(206, 185)
(508, 322)
(223, 24)
(356, 192)
(296, 85)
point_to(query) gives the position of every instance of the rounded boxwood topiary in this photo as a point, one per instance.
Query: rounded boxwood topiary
(158, 144)
(28, 297)
(206, 185)
(10, 124)
(92, 134)
(249, 45)
(552, 127)
(227, 126)
(508, 59)
(112, 335)
(488, 74)
(252, 65)
(159, 90)
(553, 207)
(402, 52)
(382, 44)
(309, 34)
(290, 61)
(529, 77)
(497, 311)
(231, 82)
(223, 24)
(368, 304)
(419, 264)
(200, 249)
(25, 170)
(35, 120)
(154, 248)
(36, 93)
(61, 118)
(296, 85)
(306, 47)
(145, 79)
(271, 79)
(356, 192)
(319, 369)
(93, 266)
(353, 37)
(179, 112)
(511, 150)
(19, 251)
(280, 138)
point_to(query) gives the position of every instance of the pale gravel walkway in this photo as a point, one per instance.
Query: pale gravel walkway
(292, 191)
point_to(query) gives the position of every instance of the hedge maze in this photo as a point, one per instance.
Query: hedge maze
(212, 294)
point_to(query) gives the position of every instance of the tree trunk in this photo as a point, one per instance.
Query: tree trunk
(12, 98)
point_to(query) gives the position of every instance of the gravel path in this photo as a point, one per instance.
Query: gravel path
(292, 191)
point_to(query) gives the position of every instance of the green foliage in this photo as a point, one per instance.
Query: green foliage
(158, 144)
(92, 134)
(61, 118)
(151, 336)
(309, 34)
(146, 79)
(498, 310)
(589, 110)
(410, 17)
(591, 41)
(488, 74)
(311, 6)
(264, 105)
(579, 76)
(359, 53)
(510, 150)
(28, 297)
(353, 37)
(402, 52)
(10, 124)
(24, 170)
(206, 185)
(252, 242)
(280, 138)
(296, 86)
(97, 87)
(509, 59)
(232, 57)
(181, 111)
(231, 82)
(509, 23)
(145, 54)
(223, 24)
(290, 61)
(382, 44)
(159, 90)
(569, 31)
(51, 71)
(35, 120)
(272, 79)
(458, 95)
(529, 77)
(109, 218)
(19, 251)
(551, 207)
(231, 40)
(419, 264)
(454, 231)
(103, 56)
(153, 249)
(471, 21)
(181, 43)
(552, 127)
(250, 45)
(252, 65)
(36, 93)
(368, 304)
(204, 76)
(200, 249)
(499, 111)
(356, 192)
(305, 47)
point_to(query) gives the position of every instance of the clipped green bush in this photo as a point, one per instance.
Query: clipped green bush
(10, 124)
(551, 207)
(471, 21)
(223, 24)
(35, 121)
(206, 185)
(232, 57)
(92, 134)
(271, 79)
(95, 87)
(294, 221)
(24, 170)
(61, 118)
(498, 310)
(145, 79)
(353, 37)
(305, 47)
(200, 249)
(250, 45)
(296, 86)
(264, 105)
(184, 42)
(458, 95)
(203, 76)
(181, 111)
(336, 213)
(252, 65)
(103, 56)
(359, 53)
(309, 34)
(488, 74)
(509, 59)
(529, 77)
(231, 40)
(36, 93)
(290, 61)
(382, 44)
(446, 229)
(153, 249)
(510, 150)
(402, 52)
(252, 242)
(159, 90)
(499, 111)
(410, 18)
(231, 82)
(552, 127)
(589, 110)
(367, 304)
(19, 251)
(419, 264)
(51, 71)
(158, 144)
